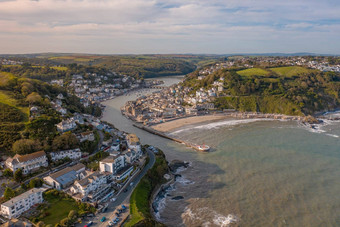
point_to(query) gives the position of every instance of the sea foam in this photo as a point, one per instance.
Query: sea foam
(219, 124)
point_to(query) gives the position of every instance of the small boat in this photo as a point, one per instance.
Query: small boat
(202, 147)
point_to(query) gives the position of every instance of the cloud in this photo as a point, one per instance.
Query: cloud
(147, 25)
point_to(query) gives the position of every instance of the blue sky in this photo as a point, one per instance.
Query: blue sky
(177, 26)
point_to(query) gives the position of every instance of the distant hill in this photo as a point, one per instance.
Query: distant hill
(289, 90)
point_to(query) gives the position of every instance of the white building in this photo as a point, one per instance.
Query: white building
(92, 187)
(21, 203)
(72, 154)
(66, 125)
(66, 177)
(133, 143)
(112, 164)
(28, 162)
(86, 136)
(131, 156)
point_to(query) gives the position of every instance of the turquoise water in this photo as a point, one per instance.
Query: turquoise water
(259, 173)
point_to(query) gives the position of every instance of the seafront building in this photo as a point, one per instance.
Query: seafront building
(28, 163)
(21, 203)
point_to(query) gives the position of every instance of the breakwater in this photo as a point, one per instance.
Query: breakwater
(161, 134)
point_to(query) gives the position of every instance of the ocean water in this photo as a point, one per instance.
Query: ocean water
(259, 173)
(263, 173)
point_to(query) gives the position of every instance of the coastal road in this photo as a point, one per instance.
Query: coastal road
(122, 197)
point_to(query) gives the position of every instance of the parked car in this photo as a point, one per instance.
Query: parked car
(103, 219)
(125, 190)
(110, 223)
(89, 223)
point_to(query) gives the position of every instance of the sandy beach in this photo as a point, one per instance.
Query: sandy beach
(172, 125)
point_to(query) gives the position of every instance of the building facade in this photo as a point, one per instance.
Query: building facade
(21, 203)
(72, 154)
(28, 163)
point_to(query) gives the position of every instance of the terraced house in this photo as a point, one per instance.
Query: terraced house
(28, 163)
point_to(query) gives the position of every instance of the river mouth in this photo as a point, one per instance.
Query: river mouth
(262, 173)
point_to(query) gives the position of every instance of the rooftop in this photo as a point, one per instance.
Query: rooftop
(27, 157)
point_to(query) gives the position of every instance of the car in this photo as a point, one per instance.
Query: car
(103, 219)
(131, 184)
(89, 223)
(117, 214)
(110, 223)
(117, 219)
(85, 225)
(123, 207)
(125, 190)
(113, 199)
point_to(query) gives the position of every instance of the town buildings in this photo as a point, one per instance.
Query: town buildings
(72, 154)
(21, 203)
(28, 162)
(66, 177)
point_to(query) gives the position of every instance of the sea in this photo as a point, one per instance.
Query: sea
(259, 172)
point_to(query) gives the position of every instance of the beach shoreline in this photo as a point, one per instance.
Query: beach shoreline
(172, 125)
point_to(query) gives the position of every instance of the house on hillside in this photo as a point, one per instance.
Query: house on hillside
(28, 163)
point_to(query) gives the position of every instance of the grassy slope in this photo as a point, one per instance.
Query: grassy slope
(140, 198)
(290, 71)
(59, 209)
(8, 100)
(253, 72)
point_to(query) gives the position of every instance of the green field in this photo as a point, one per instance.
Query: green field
(59, 208)
(253, 72)
(290, 71)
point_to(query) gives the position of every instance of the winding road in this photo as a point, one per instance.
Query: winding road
(121, 197)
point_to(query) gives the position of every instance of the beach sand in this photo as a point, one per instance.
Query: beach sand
(171, 125)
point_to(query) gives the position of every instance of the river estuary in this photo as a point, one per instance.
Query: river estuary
(260, 173)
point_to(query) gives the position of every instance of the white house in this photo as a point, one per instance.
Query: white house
(72, 154)
(86, 136)
(66, 125)
(133, 143)
(112, 164)
(28, 162)
(91, 186)
(130, 156)
(21, 203)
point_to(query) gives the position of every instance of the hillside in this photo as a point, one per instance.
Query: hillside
(289, 90)
(155, 65)
(17, 96)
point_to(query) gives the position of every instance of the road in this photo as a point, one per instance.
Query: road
(122, 197)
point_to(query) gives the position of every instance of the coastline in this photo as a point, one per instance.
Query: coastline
(169, 126)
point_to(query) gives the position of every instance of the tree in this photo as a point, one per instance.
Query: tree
(64, 222)
(8, 173)
(33, 98)
(35, 183)
(9, 193)
(65, 141)
(40, 224)
(72, 215)
(18, 175)
(26, 146)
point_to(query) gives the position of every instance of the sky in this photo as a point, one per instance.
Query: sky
(170, 26)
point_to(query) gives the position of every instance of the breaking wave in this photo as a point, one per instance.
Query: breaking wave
(221, 124)
(206, 217)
